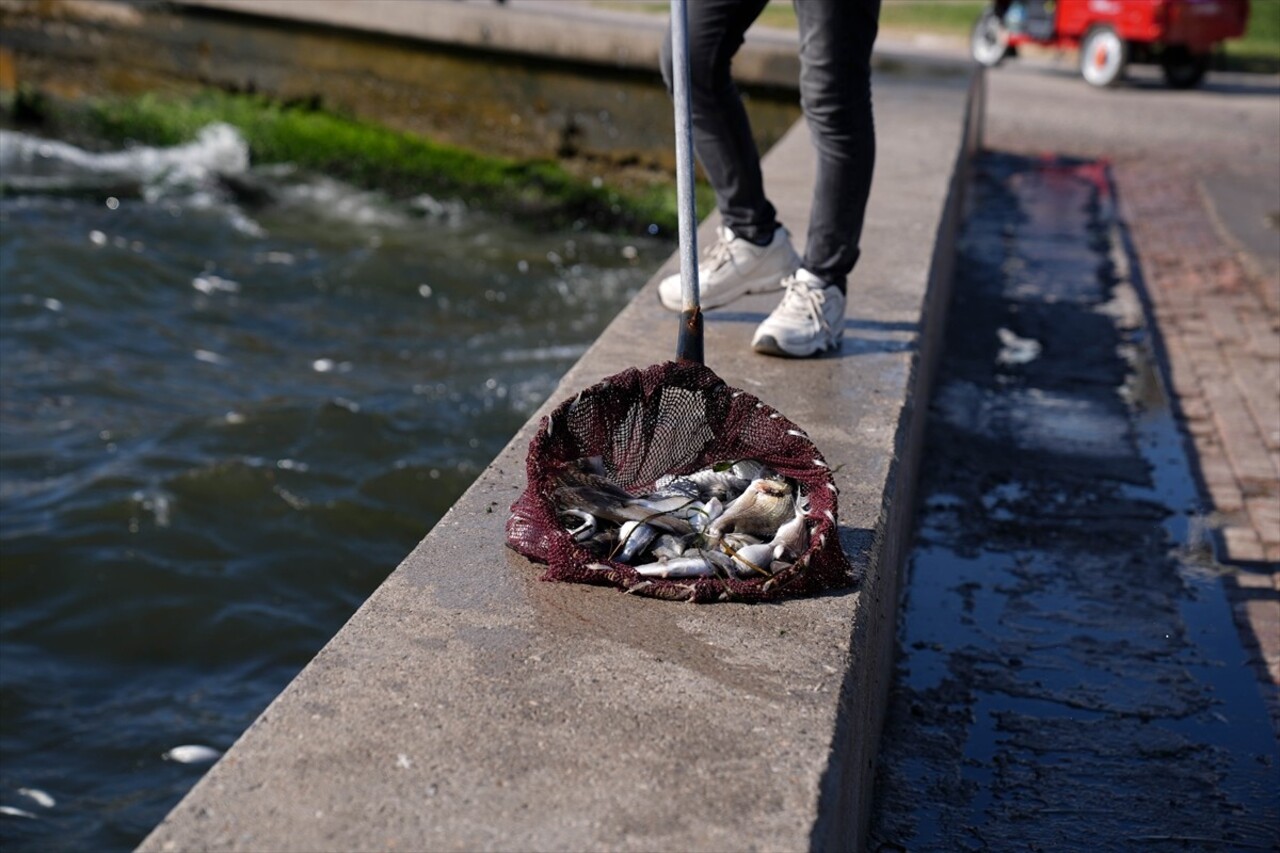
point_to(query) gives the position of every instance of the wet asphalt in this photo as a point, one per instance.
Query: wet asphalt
(1069, 675)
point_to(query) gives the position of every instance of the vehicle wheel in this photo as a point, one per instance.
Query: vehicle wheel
(1182, 68)
(1103, 57)
(989, 41)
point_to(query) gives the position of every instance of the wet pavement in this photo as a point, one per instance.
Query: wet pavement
(1214, 296)
(1197, 180)
(1070, 677)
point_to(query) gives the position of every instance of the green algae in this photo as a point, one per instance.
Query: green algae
(362, 153)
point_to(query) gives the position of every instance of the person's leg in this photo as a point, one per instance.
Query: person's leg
(721, 131)
(753, 253)
(835, 91)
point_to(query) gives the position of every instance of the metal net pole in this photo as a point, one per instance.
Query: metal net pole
(689, 343)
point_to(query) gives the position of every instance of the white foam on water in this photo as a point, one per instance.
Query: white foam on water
(558, 352)
(35, 163)
(334, 200)
(188, 173)
(210, 357)
(158, 505)
(449, 211)
(211, 284)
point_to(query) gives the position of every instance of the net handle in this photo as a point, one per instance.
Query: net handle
(689, 342)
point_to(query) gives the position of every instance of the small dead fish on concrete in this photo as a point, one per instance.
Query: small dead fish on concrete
(1016, 350)
(192, 754)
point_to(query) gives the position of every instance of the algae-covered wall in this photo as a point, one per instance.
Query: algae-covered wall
(545, 137)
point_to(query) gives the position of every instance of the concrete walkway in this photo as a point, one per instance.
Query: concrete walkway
(469, 706)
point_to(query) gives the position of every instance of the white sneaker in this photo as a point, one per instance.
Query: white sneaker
(734, 267)
(808, 320)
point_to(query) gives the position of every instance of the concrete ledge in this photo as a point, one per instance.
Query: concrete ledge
(547, 29)
(560, 30)
(469, 706)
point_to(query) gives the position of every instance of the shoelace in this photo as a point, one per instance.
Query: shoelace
(717, 256)
(803, 302)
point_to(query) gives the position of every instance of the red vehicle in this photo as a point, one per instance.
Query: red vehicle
(1179, 34)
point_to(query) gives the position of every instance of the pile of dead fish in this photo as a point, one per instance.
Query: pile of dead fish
(738, 519)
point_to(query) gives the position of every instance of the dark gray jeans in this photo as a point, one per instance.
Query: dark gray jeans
(835, 93)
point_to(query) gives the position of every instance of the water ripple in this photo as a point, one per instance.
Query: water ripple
(218, 433)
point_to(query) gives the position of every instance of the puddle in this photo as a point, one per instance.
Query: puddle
(1069, 673)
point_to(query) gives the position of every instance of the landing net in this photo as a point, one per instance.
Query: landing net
(672, 418)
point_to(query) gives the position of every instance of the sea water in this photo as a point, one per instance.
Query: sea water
(231, 400)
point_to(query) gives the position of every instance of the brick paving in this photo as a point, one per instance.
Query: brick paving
(1219, 319)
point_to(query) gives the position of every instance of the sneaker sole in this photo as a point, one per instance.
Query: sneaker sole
(767, 284)
(768, 345)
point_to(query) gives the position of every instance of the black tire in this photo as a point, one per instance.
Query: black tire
(1182, 68)
(1104, 56)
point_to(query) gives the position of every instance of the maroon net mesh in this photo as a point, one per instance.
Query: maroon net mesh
(672, 418)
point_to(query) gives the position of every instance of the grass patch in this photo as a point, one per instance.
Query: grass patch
(363, 154)
(1259, 48)
(944, 17)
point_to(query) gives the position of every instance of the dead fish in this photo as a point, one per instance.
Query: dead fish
(679, 567)
(668, 487)
(589, 473)
(734, 541)
(792, 538)
(702, 514)
(750, 469)
(764, 507)
(635, 537)
(192, 754)
(40, 798)
(753, 559)
(580, 524)
(711, 483)
(702, 564)
(624, 507)
(13, 812)
(727, 481)
(667, 547)
(603, 542)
